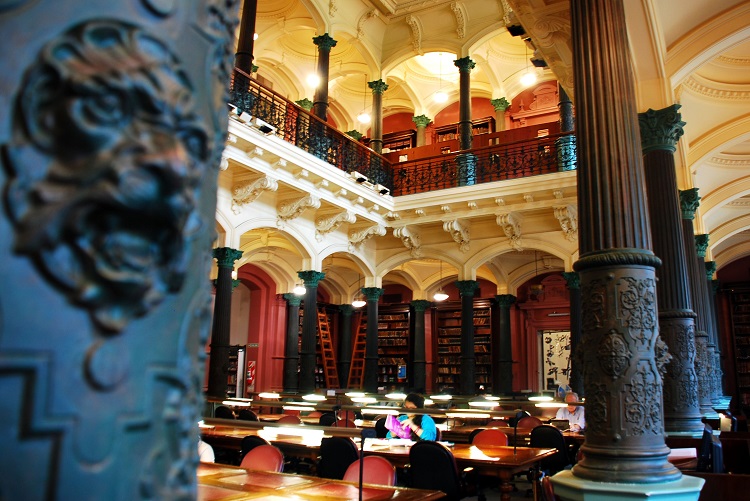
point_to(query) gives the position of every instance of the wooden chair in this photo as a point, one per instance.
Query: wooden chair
(247, 415)
(264, 458)
(434, 467)
(223, 412)
(289, 419)
(375, 470)
(530, 422)
(489, 437)
(336, 454)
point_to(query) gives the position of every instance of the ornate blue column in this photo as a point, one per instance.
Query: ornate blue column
(419, 362)
(372, 295)
(307, 360)
(291, 345)
(466, 289)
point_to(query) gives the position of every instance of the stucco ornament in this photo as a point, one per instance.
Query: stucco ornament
(104, 170)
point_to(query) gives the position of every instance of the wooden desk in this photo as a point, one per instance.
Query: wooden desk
(228, 437)
(460, 434)
(222, 483)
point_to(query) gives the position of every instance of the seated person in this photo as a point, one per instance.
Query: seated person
(414, 426)
(573, 413)
(205, 452)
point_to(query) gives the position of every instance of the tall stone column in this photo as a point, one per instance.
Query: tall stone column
(307, 352)
(419, 362)
(467, 288)
(718, 365)
(502, 352)
(243, 58)
(378, 87)
(291, 346)
(573, 281)
(106, 308)
(623, 357)
(372, 295)
(422, 121)
(218, 362)
(701, 246)
(500, 106)
(464, 65)
(320, 101)
(660, 131)
(345, 344)
(565, 106)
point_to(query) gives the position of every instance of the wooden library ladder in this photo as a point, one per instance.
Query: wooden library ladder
(326, 350)
(357, 367)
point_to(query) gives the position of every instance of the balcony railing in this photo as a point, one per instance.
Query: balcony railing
(297, 126)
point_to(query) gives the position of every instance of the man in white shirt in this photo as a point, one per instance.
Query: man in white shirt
(573, 413)
(205, 452)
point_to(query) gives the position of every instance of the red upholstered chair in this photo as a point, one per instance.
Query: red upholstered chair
(264, 458)
(375, 470)
(344, 423)
(289, 419)
(530, 422)
(490, 437)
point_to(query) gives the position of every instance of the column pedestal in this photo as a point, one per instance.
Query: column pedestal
(571, 488)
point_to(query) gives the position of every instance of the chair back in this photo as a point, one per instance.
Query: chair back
(497, 422)
(314, 414)
(704, 454)
(530, 422)
(489, 437)
(289, 419)
(247, 415)
(327, 419)
(264, 458)
(434, 467)
(336, 454)
(223, 412)
(548, 491)
(375, 470)
(549, 437)
(380, 430)
(250, 442)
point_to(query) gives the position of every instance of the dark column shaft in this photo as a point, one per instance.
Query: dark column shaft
(468, 359)
(465, 65)
(307, 361)
(320, 101)
(565, 106)
(372, 294)
(502, 351)
(660, 131)
(622, 373)
(291, 345)
(576, 369)
(345, 344)
(219, 359)
(378, 87)
(419, 363)
(243, 58)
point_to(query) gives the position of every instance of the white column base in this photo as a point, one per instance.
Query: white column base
(571, 488)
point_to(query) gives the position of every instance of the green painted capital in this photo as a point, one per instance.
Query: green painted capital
(421, 120)
(325, 42)
(573, 279)
(346, 309)
(710, 269)
(378, 86)
(500, 104)
(689, 202)
(354, 133)
(235, 283)
(464, 64)
(305, 104)
(420, 305)
(254, 68)
(467, 287)
(372, 293)
(292, 299)
(661, 129)
(505, 300)
(701, 244)
(226, 256)
(311, 278)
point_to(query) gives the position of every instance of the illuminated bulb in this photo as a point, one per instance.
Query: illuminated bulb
(255, 36)
(363, 118)
(440, 97)
(359, 303)
(313, 80)
(299, 289)
(528, 79)
(440, 296)
(234, 274)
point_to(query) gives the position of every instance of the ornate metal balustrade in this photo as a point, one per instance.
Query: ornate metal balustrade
(297, 126)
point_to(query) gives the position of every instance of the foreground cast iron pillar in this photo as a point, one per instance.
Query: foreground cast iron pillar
(345, 344)
(112, 129)
(467, 288)
(623, 357)
(660, 131)
(719, 371)
(419, 362)
(307, 352)
(714, 382)
(290, 379)
(573, 281)
(464, 65)
(378, 88)
(320, 100)
(370, 381)
(502, 357)
(218, 362)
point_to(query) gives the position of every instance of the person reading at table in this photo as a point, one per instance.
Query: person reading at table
(573, 413)
(414, 426)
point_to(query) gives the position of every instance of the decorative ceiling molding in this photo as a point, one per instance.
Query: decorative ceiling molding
(458, 11)
(362, 20)
(567, 215)
(247, 193)
(416, 33)
(459, 231)
(411, 238)
(294, 208)
(357, 237)
(730, 163)
(324, 225)
(728, 92)
(511, 224)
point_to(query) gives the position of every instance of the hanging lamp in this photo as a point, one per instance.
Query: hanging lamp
(536, 289)
(313, 79)
(364, 117)
(528, 78)
(358, 296)
(440, 295)
(440, 96)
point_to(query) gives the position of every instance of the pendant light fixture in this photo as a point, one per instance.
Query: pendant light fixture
(536, 289)
(440, 96)
(313, 79)
(440, 295)
(299, 289)
(359, 301)
(529, 77)
(364, 117)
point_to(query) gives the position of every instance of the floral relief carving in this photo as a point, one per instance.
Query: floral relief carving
(614, 355)
(594, 296)
(642, 404)
(110, 224)
(596, 404)
(637, 302)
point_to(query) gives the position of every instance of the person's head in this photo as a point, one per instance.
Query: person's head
(413, 401)
(571, 398)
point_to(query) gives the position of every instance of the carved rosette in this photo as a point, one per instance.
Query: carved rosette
(614, 355)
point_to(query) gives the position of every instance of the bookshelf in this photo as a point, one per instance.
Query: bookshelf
(449, 132)
(740, 314)
(394, 346)
(320, 379)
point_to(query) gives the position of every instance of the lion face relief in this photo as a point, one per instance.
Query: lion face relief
(105, 168)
